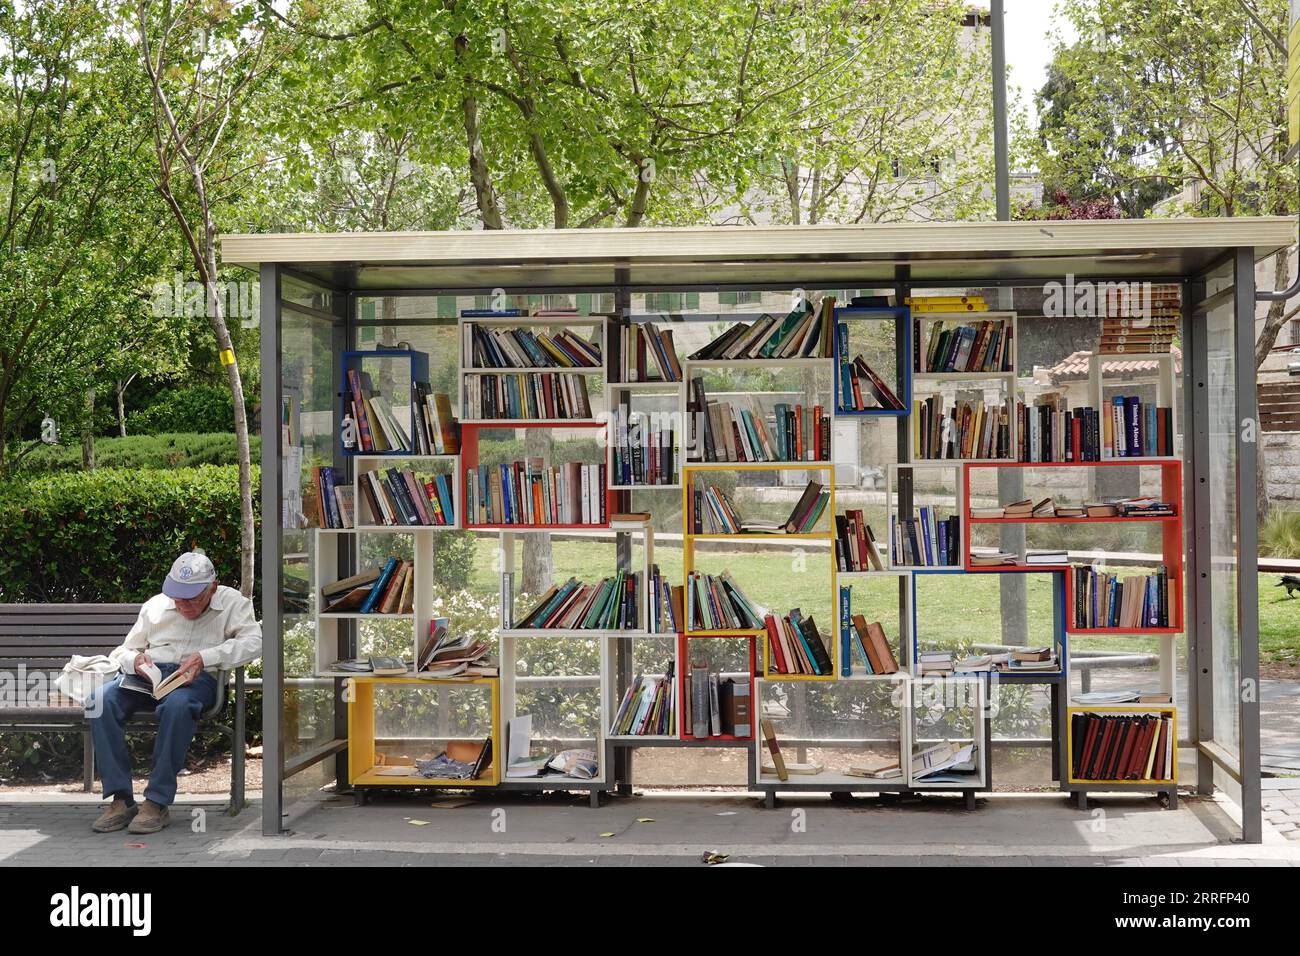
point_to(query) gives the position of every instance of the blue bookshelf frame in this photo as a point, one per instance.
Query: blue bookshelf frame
(354, 361)
(902, 317)
(1059, 636)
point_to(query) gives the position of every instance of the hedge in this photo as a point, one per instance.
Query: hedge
(171, 450)
(204, 408)
(110, 535)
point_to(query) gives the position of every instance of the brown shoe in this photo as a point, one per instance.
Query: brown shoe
(151, 818)
(115, 816)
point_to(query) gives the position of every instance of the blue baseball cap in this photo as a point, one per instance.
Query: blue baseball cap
(191, 574)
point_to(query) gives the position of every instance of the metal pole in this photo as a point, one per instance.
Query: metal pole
(1247, 547)
(1196, 451)
(272, 637)
(1002, 176)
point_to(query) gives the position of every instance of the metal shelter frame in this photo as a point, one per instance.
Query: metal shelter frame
(1214, 260)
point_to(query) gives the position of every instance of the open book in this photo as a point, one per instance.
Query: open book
(156, 686)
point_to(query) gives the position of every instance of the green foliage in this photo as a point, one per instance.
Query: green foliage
(170, 450)
(78, 225)
(110, 535)
(191, 408)
(1157, 94)
(1280, 535)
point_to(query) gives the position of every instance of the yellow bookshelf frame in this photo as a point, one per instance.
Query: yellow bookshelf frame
(688, 554)
(361, 732)
(1170, 709)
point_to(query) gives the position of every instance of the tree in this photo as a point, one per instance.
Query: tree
(78, 235)
(204, 63)
(1177, 98)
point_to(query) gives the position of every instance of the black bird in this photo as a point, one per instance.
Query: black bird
(1290, 582)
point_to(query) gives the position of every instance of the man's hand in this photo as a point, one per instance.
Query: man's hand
(191, 667)
(142, 660)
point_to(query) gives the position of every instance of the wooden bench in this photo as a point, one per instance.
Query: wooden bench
(40, 638)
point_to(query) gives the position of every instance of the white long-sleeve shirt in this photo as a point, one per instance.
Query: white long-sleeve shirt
(226, 635)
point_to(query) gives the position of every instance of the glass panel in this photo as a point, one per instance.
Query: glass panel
(307, 369)
(1222, 468)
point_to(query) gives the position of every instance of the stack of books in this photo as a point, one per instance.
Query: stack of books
(536, 396)
(865, 641)
(1032, 659)
(804, 333)
(718, 604)
(1103, 599)
(532, 493)
(796, 646)
(648, 708)
(934, 662)
(716, 706)
(644, 446)
(948, 346)
(1122, 746)
(1144, 507)
(922, 304)
(647, 354)
(377, 428)
(1137, 429)
(724, 431)
(436, 431)
(334, 503)
(713, 512)
(1141, 324)
(855, 543)
(525, 348)
(444, 656)
(969, 429)
(611, 604)
(1026, 508)
(925, 540)
(860, 387)
(665, 604)
(993, 559)
(398, 497)
(1049, 430)
(387, 590)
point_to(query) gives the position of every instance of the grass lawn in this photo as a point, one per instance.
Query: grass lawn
(954, 610)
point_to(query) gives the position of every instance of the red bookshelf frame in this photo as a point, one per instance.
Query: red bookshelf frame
(469, 461)
(683, 660)
(1171, 534)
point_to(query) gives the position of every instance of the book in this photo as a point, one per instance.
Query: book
(644, 446)
(525, 396)
(741, 431)
(647, 708)
(805, 332)
(611, 604)
(796, 646)
(1122, 747)
(152, 683)
(943, 345)
(968, 429)
(717, 603)
(924, 539)
(647, 354)
(769, 737)
(499, 347)
(531, 492)
(1103, 599)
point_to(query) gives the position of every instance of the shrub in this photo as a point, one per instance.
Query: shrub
(196, 408)
(170, 450)
(110, 535)
(1280, 536)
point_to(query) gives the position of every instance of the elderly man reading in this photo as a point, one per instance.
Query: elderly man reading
(169, 662)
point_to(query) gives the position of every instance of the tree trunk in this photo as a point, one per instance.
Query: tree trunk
(121, 407)
(88, 432)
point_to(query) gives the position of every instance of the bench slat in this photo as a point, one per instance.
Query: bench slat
(39, 609)
(10, 634)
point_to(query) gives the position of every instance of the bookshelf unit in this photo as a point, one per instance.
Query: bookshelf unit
(366, 742)
(1165, 391)
(902, 384)
(894, 474)
(926, 709)
(668, 410)
(1167, 784)
(357, 361)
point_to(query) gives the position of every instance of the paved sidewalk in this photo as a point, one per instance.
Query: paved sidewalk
(655, 829)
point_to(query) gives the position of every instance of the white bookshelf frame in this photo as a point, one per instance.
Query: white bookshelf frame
(364, 464)
(649, 388)
(891, 512)
(612, 699)
(980, 736)
(1166, 395)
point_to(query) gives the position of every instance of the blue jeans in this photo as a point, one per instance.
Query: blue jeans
(178, 716)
